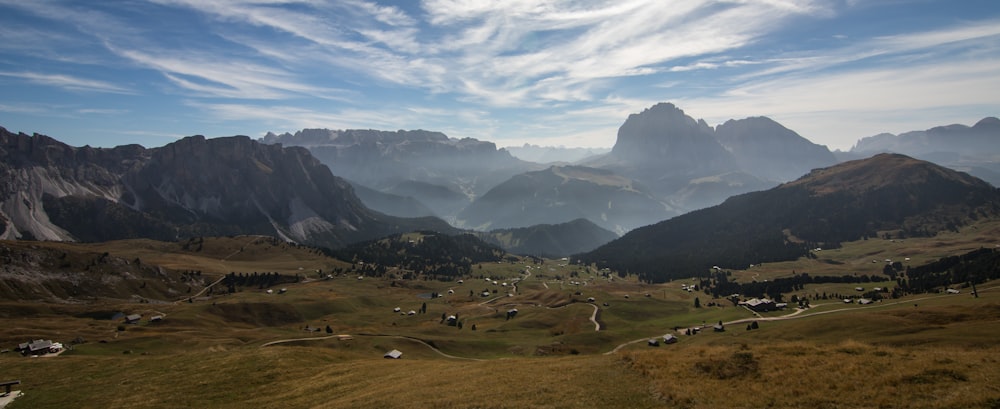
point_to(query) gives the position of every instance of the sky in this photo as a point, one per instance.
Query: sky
(549, 73)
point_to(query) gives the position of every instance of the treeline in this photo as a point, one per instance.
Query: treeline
(431, 255)
(974, 267)
(255, 279)
(718, 284)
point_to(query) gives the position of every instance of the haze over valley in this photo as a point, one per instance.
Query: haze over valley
(558, 204)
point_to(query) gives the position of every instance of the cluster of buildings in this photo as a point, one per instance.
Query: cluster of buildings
(39, 347)
(763, 305)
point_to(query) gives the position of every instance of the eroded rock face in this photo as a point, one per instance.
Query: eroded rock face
(195, 186)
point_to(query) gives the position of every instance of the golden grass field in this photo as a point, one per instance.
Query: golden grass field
(931, 350)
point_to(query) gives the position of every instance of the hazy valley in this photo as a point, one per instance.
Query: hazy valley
(739, 265)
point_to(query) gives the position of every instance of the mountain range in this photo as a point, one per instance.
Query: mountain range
(664, 163)
(444, 173)
(971, 149)
(692, 165)
(331, 188)
(192, 187)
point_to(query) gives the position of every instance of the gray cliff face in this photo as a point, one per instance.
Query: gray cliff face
(241, 181)
(195, 186)
(32, 166)
(664, 139)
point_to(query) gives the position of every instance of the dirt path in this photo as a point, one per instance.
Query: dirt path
(203, 290)
(593, 318)
(348, 337)
(285, 341)
(222, 262)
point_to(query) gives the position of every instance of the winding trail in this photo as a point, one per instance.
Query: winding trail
(593, 318)
(348, 337)
(285, 341)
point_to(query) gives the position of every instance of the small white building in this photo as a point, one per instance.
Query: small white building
(394, 354)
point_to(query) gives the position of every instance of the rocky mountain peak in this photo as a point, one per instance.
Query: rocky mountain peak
(193, 186)
(664, 135)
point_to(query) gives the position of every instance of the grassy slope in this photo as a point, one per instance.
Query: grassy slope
(941, 353)
(857, 257)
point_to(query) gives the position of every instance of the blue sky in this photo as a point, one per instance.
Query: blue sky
(107, 73)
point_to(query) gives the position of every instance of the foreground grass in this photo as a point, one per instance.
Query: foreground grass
(927, 350)
(302, 377)
(848, 374)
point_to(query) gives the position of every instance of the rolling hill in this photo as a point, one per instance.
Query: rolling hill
(886, 194)
(561, 194)
(551, 240)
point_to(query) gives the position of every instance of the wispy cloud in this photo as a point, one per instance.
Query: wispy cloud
(287, 117)
(865, 87)
(69, 82)
(504, 53)
(520, 69)
(208, 76)
(102, 111)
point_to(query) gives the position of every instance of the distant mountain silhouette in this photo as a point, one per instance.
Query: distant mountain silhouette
(550, 240)
(389, 161)
(681, 164)
(549, 154)
(665, 148)
(192, 187)
(848, 201)
(768, 150)
(561, 194)
(688, 163)
(391, 204)
(974, 149)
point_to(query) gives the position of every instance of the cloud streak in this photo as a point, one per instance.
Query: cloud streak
(69, 82)
(519, 69)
